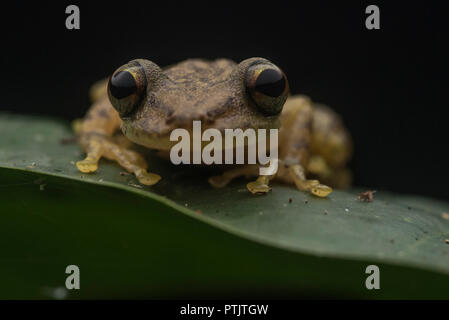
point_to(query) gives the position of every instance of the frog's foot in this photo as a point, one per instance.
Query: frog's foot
(147, 178)
(260, 186)
(98, 146)
(313, 186)
(94, 149)
(227, 176)
(87, 165)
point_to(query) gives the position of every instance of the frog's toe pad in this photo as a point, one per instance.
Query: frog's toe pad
(218, 181)
(148, 178)
(257, 187)
(320, 190)
(87, 165)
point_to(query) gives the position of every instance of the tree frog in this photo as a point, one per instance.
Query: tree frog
(147, 102)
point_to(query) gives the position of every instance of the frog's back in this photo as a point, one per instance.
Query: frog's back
(194, 73)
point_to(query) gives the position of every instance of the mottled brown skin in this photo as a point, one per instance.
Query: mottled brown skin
(312, 139)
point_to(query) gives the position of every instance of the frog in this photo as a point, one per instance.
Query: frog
(142, 103)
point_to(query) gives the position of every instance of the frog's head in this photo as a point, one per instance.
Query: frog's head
(222, 94)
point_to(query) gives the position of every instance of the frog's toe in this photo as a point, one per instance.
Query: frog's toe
(87, 165)
(258, 187)
(320, 190)
(147, 178)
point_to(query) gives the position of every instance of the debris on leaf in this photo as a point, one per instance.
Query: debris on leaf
(445, 216)
(367, 196)
(124, 173)
(135, 185)
(42, 187)
(447, 241)
(290, 200)
(325, 212)
(32, 165)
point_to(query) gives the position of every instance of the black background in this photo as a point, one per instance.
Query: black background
(390, 85)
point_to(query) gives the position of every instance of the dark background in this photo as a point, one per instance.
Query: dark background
(390, 85)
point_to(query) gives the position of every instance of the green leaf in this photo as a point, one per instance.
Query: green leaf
(182, 238)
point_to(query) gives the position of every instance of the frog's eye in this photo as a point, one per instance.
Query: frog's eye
(126, 88)
(267, 86)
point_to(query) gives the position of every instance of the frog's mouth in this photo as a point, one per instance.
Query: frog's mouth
(159, 138)
(151, 140)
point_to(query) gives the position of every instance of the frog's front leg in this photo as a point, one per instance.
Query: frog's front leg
(95, 133)
(101, 146)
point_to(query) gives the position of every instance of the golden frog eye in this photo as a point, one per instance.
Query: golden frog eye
(268, 87)
(126, 88)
